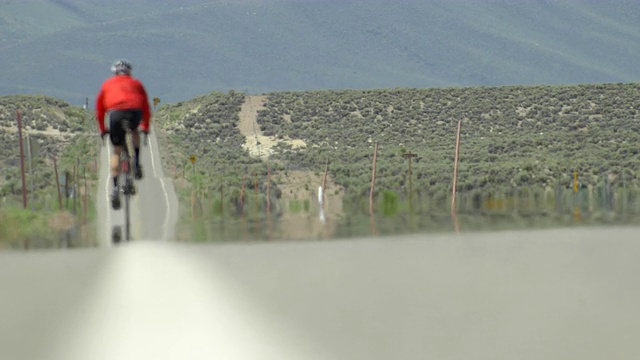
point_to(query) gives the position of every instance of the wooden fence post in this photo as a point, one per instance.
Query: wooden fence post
(373, 178)
(455, 170)
(24, 185)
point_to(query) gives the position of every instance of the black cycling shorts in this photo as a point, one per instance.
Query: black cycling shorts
(116, 119)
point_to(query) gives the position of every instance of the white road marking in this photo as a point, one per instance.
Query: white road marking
(164, 191)
(106, 189)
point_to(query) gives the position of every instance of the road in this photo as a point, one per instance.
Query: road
(154, 210)
(554, 294)
(549, 294)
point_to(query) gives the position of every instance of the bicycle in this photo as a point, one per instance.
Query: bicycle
(126, 183)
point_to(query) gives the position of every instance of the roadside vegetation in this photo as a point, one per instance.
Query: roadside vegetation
(539, 143)
(514, 140)
(512, 136)
(51, 128)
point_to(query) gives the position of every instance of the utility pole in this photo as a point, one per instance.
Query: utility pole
(255, 185)
(30, 156)
(373, 178)
(55, 169)
(244, 178)
(76, 189)
(85, 206)
(324, 182)
(24, 185)
(67, 175)
(268, 189)
(410, 155)
(455, 170)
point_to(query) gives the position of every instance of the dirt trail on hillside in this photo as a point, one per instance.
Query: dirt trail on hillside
(249, 114)
(296, 185)
(255, 142)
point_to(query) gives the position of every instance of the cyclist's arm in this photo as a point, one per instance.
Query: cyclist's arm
(100, 110)
(146, 109)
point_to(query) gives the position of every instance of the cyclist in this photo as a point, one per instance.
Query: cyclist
(122, 97)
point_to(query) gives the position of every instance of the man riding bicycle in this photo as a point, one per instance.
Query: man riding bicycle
(123, 98)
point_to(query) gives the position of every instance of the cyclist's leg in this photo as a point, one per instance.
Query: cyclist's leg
(136, 118)
(116, 135)
(136, 144)
(115, 163)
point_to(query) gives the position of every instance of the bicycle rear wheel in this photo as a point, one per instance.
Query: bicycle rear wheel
(127, 219)
(129, 183)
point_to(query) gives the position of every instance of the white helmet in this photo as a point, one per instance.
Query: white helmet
(120, 67)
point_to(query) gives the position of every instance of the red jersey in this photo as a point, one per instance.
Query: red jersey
(122, 92)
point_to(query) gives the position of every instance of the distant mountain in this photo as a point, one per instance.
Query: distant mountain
(185, 48)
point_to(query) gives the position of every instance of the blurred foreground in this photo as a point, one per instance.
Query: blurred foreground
(527, 295)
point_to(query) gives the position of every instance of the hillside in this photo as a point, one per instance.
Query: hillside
(512, 137)
(51, 128)
(50, 123)
(529, 138)
(183, 49)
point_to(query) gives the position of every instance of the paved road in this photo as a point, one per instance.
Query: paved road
(561, 294)
(154, 210)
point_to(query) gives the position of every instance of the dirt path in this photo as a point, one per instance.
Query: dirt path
(249, 113)
(297, 186)
(256, 143)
